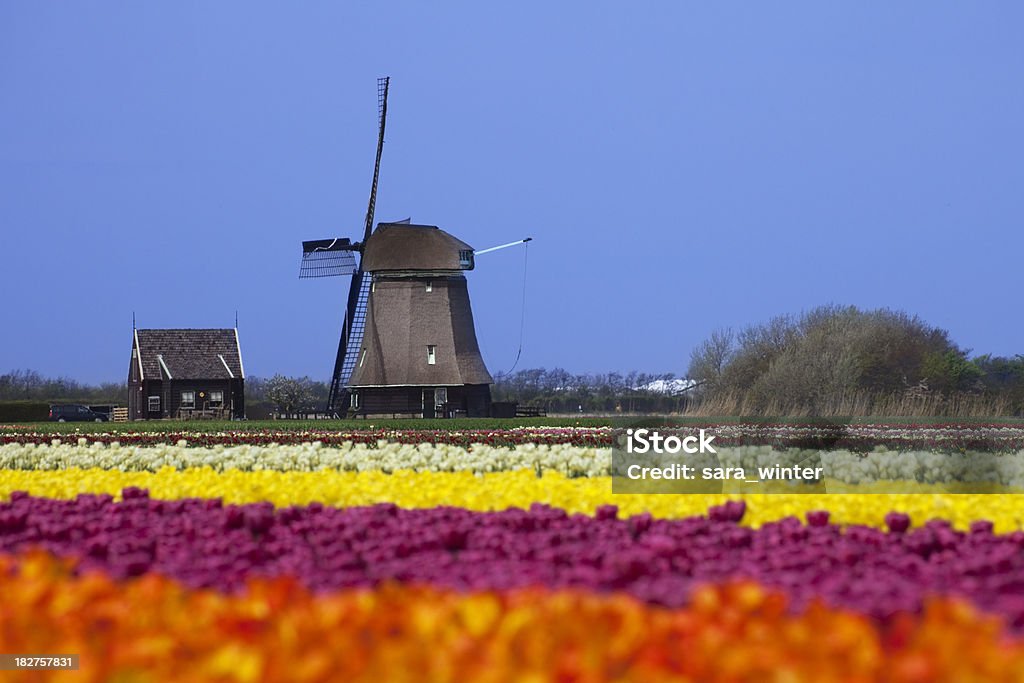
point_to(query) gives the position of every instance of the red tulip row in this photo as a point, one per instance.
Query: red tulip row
(862, 438)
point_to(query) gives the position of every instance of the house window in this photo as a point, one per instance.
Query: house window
(430, 286)
(188, 399)
(216, 399)
(353, 400)
(431, 354)
(154, 404)
(441, 396)
(466, 258)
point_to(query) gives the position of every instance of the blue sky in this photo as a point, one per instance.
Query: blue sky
(681, 166)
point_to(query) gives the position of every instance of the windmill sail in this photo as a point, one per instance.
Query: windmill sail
(352, 334)
(336, 257)
(327, 258)
(382, 117)
(359, 290)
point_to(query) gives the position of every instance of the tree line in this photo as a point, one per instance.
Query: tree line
(836, 360)
(832, 360)
(563, 392)
(29, 385)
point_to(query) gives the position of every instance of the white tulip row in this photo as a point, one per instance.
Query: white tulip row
(571, 461)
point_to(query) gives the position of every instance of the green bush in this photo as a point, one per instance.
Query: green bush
(24, 411)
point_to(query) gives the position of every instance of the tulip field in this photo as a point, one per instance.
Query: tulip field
(501, 554)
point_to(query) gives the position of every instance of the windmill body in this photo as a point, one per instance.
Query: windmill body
(419, 352)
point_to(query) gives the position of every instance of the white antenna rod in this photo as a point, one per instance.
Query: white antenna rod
(502, 246)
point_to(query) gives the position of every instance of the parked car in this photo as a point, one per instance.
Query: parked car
(75, 413)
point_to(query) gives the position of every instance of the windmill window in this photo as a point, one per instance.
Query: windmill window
(466, 258)
(362, 359)
(154, 404)
(353, 400)
(430, 286)
(188, 399)
(431, 354)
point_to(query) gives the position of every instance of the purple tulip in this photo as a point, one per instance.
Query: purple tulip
(897, 522)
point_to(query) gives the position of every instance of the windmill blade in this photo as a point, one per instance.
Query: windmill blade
(382, 115)
(359, 289)
(327, 258)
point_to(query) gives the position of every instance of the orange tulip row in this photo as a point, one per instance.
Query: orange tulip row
(151, 629)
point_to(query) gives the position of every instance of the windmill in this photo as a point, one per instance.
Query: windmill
(408, 344)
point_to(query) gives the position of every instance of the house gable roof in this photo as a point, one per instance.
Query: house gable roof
(189, 354)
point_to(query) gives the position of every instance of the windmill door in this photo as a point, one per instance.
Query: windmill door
(428, 403)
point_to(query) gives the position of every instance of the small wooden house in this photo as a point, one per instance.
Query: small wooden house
(185, 374)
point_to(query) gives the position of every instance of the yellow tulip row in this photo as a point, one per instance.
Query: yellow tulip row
(501, 490)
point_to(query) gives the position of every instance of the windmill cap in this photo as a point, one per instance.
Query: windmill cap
(404, 246)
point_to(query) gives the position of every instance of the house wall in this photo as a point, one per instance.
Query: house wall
(477, 398)
(170, 391)
(474, 400)
(176, 387)
(151, 387)
(238, 398)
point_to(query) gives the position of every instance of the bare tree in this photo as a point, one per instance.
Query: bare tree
(709, 359)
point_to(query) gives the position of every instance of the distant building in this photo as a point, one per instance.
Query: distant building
(186, 374)
(668, 387)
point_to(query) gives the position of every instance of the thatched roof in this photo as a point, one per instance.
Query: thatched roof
(189, 354)
(404, 246)
(403, 319)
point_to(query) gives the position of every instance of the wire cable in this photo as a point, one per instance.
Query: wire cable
(522, 315)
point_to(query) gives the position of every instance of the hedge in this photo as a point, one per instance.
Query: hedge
(24, 411)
